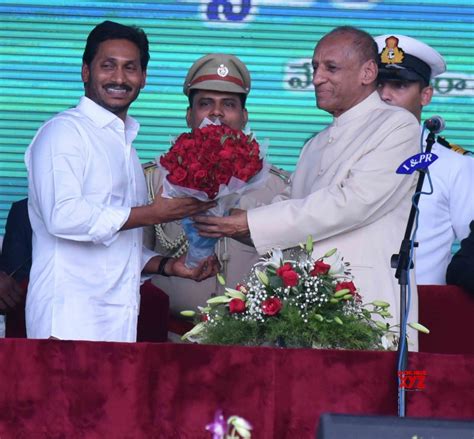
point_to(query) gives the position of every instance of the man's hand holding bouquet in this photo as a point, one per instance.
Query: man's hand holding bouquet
(213, 162)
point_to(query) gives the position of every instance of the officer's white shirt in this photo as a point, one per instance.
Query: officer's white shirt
(84, 177)
(444, 215)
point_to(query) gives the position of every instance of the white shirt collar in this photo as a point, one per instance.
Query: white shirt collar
(102, 117)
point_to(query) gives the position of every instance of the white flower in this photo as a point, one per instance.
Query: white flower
(275, 259)
(241, 426)
(190, 335)
(389, 341)
(337, 264)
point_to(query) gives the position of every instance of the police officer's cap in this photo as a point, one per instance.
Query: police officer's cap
(404, 58)
(218, 72)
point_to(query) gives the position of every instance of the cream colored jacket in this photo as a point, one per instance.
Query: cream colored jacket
(346, 194)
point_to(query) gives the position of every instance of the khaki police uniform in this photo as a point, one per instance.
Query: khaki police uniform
(446, 213)
(225, 73)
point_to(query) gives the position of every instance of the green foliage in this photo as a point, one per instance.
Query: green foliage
(289, 330)
(297, 302)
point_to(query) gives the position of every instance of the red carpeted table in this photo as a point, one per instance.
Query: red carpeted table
(61, 389)
(65, 389)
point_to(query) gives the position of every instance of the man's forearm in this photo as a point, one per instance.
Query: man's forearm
(139, 217)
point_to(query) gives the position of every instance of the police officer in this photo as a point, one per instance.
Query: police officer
(406, 67)
(217, 86)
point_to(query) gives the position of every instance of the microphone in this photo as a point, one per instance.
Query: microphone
(435, 124)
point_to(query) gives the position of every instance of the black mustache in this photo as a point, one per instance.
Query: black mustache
(122, 86)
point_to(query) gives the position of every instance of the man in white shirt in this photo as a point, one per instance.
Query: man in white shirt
(87, 203)
(345, 191)
(406, 66)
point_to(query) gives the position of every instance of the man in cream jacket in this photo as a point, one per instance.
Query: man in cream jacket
(345, 191)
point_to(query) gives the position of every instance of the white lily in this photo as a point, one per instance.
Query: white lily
(193, 332)
(275, 259)
(389, 341)
(241, 426)
(336, 262)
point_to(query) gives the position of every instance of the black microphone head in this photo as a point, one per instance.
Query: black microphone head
(435, 124)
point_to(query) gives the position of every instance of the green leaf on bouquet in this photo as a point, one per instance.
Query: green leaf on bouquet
(275, 282)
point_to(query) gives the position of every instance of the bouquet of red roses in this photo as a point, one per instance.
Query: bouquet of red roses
(209, 157)
(214, 162)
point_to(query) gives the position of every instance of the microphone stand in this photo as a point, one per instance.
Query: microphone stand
(401, 262)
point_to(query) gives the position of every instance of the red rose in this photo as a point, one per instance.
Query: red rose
(178, 176)
(290, 278)
(236, 306)
(288, 275)
(272, 306)
(285, 267)
(225, 153)
(320, 268)
(200, 177)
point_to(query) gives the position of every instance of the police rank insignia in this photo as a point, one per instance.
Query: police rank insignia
(222, 71)
(392, 54)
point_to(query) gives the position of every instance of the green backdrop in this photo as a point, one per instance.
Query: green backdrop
(41, 44)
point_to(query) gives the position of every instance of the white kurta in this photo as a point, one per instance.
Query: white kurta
(84, 177)
(346, 194)
(444, 215)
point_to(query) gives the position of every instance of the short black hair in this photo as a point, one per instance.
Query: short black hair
(363, 42)
(192, 93)
(110, 30)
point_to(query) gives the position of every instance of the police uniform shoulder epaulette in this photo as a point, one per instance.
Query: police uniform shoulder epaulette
(149, 166)
(281, 173)
(456, 148)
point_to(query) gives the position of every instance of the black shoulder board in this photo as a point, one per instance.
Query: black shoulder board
(456, 148)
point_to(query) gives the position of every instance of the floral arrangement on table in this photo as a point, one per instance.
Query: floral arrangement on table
(296, 301)
(233, 428)
(213, 162)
